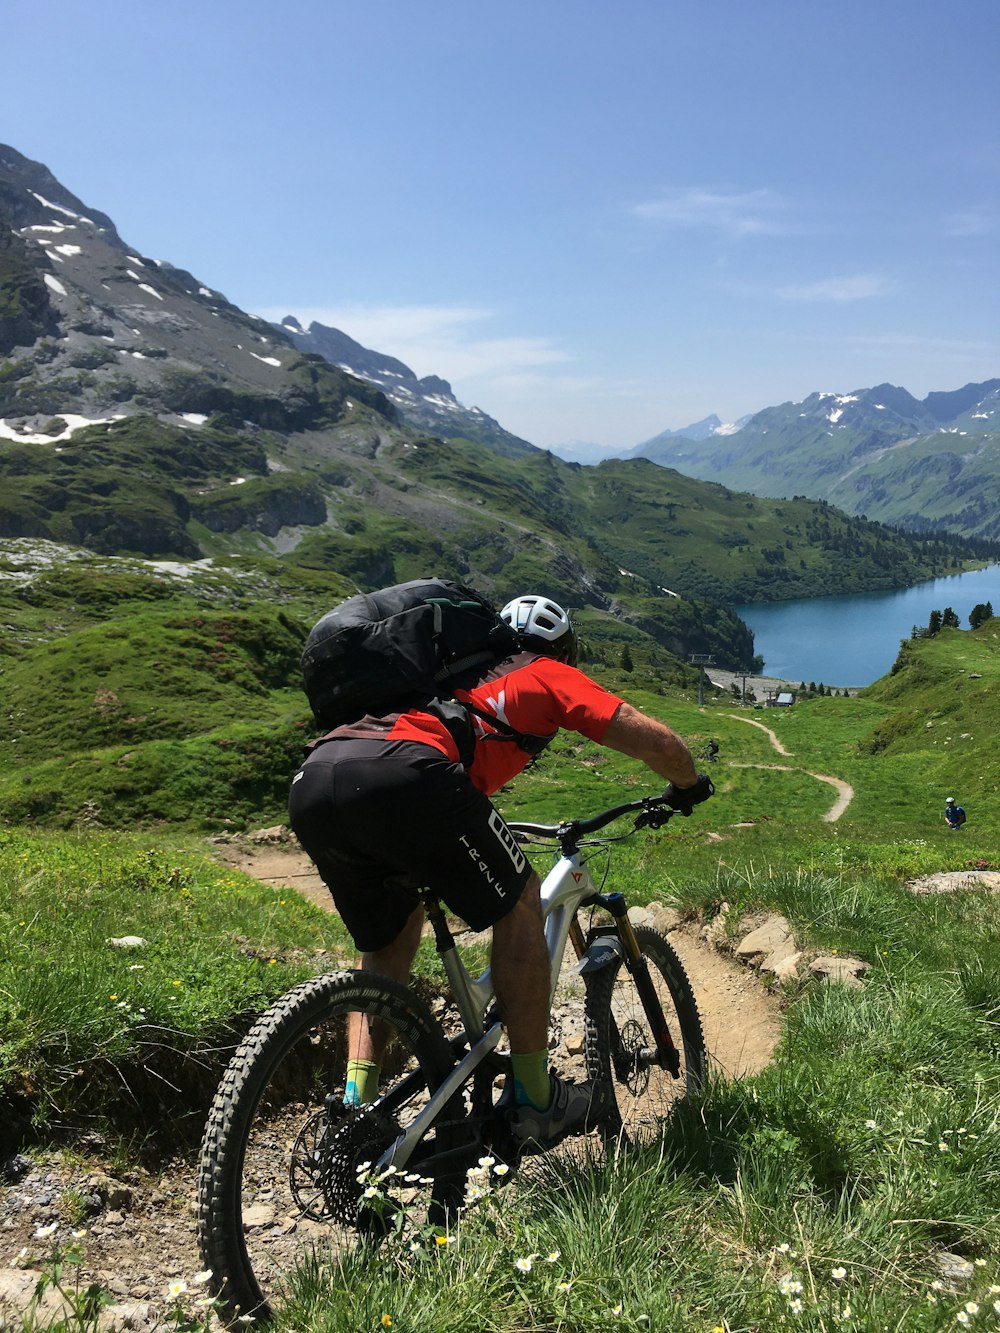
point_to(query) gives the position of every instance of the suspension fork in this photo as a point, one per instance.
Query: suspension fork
(666, 1055)
(576, 937)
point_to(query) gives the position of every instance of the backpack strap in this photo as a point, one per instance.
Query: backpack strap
(530, 744)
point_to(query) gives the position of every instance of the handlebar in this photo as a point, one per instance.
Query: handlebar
(650, 811)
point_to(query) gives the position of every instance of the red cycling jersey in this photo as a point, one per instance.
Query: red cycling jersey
(535, 695)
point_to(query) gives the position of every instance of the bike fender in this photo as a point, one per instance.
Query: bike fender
(602, 951)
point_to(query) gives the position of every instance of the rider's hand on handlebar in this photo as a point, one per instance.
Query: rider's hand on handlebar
(684, 799)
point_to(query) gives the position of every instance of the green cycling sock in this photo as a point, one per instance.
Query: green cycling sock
(362, 1082)
(531, 1080)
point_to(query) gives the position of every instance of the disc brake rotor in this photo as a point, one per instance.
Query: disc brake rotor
(629, 1067)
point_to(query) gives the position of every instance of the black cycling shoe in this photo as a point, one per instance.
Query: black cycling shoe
(574, 1108)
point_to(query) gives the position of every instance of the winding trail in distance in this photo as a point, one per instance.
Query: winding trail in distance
(844, 790)
(752, 722)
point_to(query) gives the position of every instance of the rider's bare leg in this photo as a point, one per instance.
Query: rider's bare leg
(521, 977)
(520, 966)
(366, 1037)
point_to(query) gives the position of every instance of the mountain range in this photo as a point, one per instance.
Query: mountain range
(877, 452)
(144, 414)
(586, 451)
(919, 464)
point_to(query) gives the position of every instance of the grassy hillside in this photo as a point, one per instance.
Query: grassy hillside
(855, 1182)
(327, 479)
(150, 693)
(941, 481)
(941, 711)
(734, 547)
(692, 537)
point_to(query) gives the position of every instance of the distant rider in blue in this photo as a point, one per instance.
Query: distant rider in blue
(954, 815)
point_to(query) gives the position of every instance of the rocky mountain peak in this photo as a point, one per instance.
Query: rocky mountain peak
(31, 196)
(428, 404)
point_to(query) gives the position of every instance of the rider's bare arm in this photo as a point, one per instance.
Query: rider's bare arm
(654, 743)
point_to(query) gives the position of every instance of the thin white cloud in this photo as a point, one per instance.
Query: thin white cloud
(972, 222)
(927, 348)
(433, 340)
(734, 213)
(853, 287)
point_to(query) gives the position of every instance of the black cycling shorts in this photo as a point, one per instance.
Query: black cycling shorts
(381, 819)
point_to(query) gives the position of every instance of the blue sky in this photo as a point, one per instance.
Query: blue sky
(596, 220)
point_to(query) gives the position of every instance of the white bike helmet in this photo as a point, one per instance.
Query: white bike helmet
(543, 625)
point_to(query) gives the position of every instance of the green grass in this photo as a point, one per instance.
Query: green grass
(871, 1144)
(81, 1019)
(831, 1181)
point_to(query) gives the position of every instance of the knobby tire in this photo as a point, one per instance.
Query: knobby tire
(279, 1189)
(617, 1034)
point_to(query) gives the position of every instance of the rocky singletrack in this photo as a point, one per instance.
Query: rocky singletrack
(136, 1228)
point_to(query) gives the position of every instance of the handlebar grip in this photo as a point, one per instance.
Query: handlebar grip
(684, 799)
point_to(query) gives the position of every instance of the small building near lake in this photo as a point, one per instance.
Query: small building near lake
(780, 699)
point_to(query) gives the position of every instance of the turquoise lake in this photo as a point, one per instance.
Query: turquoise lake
(853, 640)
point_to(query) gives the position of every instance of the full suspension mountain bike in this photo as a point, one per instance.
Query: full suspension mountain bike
(286, 1164)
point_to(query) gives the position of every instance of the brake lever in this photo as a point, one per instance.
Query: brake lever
(654, 818)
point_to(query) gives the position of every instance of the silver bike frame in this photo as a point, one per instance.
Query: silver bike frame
(564, 888)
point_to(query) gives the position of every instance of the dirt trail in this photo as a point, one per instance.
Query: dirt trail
(142, 1236)
(844, 790)
(752, 722)
(740, 1017)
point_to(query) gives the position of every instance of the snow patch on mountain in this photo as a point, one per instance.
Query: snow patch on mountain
(73, 424)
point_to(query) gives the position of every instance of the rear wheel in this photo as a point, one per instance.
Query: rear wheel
(620, 1046)
(285, 1178)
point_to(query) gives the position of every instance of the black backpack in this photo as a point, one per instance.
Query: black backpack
(385, 651)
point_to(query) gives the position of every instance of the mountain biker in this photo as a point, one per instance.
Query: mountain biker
(383, 807)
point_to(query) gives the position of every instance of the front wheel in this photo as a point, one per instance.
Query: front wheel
(620, 1046)
(285, 1177)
